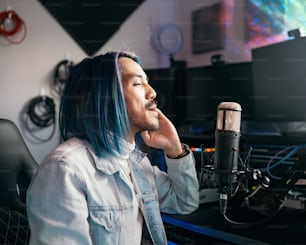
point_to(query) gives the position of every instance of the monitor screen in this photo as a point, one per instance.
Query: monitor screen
(207, 86)
(279, 75)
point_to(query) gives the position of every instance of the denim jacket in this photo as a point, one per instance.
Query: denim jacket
(77, 198)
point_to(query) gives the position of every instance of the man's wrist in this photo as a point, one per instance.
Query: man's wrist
(185, 152)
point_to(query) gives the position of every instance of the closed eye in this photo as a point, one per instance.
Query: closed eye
(140, 80)
(143, 79)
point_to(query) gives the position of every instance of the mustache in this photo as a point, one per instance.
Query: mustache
(151, 103)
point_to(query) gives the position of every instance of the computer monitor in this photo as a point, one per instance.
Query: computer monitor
(206, 87)
(279, 78)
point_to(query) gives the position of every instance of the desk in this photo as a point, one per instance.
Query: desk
(207, 226)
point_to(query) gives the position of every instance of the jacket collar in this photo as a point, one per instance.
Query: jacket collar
(109, 165)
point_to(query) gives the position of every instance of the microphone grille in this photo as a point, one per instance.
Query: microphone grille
(229, 106)
(229, 116)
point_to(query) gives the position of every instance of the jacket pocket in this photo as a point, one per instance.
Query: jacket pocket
(104, 226)
(108, 219)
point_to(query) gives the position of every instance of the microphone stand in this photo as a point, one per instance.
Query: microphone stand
(244, 175)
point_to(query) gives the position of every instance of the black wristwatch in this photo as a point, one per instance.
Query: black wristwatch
(185, 152)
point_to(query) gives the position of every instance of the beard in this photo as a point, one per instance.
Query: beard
(145, 120)
(145, 123)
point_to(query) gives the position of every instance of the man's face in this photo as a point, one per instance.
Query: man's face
(139, 96)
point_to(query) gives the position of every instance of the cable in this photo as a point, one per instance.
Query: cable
(259, 221)
(41, 112)
(11, 24)
(293, 149)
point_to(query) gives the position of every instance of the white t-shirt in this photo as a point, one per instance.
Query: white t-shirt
(137, 218)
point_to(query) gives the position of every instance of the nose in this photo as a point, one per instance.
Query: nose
(151, 93)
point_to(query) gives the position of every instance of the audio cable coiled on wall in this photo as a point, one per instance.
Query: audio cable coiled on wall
(10, 25)
(41, 112)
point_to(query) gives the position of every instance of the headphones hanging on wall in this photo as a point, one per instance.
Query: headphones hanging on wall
(10, 25)
(61, 74)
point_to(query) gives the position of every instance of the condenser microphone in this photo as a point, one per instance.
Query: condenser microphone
(227, 136)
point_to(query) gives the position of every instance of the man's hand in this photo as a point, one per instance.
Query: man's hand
(165, 138)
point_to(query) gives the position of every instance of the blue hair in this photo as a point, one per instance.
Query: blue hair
(93, 106)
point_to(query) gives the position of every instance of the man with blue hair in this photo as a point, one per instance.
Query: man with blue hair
(98, 187)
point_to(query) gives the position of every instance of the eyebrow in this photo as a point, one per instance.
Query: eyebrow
(141, 76)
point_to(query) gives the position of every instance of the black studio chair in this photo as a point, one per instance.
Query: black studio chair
(17, 167)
